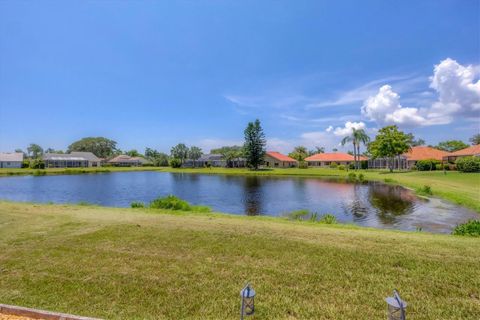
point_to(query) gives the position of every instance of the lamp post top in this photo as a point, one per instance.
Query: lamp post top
(247, 292)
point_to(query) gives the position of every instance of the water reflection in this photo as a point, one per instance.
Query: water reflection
(252, 195)
(368, 204)
(391, 201)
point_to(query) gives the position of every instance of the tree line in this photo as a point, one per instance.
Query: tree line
(389, 142)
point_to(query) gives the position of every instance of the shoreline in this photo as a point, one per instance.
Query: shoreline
(56, 257)
(444, 186)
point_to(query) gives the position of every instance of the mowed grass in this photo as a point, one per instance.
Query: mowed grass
(145, 264)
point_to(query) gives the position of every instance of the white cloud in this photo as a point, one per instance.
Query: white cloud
(458, 94)
(362, 92)
(456, 87)
(347, 129)
(385, 108)
(329, 129)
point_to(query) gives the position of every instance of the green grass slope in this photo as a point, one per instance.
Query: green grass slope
(144, 264)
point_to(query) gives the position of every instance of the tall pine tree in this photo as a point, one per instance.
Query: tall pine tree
(254, 144)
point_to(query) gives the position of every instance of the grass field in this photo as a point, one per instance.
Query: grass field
(141, 264)
(457, 187)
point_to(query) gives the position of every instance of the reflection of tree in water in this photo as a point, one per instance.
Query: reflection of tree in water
(390, 201)
(357, 207)
(253, 195)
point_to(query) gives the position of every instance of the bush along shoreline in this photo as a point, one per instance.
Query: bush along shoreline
(171, 202)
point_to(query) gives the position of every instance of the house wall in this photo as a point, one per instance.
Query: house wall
(126, 164)
(275, 163)
(10, 164)
(327, 163)
(66, 164)
(383, 163)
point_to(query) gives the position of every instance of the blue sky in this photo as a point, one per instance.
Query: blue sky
(154, 73)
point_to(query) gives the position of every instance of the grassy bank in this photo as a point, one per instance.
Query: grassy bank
(457, 187)
(141, 264)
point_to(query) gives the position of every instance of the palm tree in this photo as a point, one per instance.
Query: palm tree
(357, 137)
(362, 138)
(351, 138)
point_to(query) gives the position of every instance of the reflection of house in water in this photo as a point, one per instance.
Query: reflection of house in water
(391, 201)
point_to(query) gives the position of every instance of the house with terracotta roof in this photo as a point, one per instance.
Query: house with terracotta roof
(277, 160)
(409, 159)
(473, 151)
(326, 159)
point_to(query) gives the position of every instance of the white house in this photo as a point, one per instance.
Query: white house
(11, 160)
(71, 160)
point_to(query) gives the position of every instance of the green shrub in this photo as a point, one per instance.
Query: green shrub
(26, 164)
(351, 166)
(361, 177)
(364, 164)
(333, 165)
(470, 228)
(174, 203)
(39, 173)
(302, 164)
(468, 164)
(313, 217)
(147, 164)
(439, 166)
(298, 214)
(175, 163)
(352, 176)
(37, 164)
(389, 180)
(425, 190)
(427, 165)
(328, 219)
(136, 204)
(341, 167)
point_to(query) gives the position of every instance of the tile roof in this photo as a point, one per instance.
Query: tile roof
(336, 156)
(424, 153)
(280, 157)
(123, 158)
(11, 156)
(470, 151)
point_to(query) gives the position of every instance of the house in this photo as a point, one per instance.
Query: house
(11, 160)
(409, 159)
(326, 159)
(278, 160)
(124, 160)
(212, 159)
(71, 160)
(473, 151)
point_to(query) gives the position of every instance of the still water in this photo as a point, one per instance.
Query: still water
(367, 204)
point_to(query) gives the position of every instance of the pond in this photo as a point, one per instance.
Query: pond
(370, 204)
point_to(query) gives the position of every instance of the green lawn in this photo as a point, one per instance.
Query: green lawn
(141, 264)
(457, 187)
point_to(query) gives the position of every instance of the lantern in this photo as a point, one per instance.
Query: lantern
(248, 301)
(396, 307)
